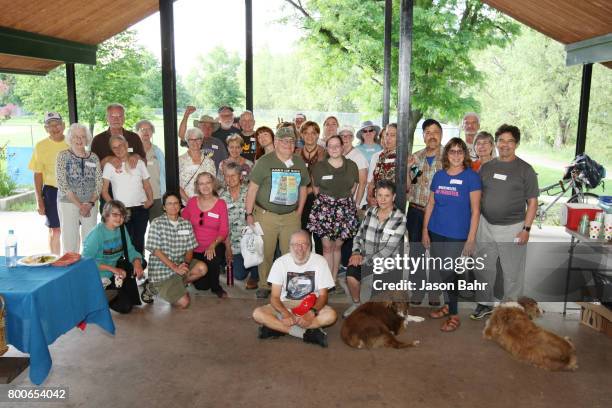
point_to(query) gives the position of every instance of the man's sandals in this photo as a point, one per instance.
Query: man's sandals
(451, 324)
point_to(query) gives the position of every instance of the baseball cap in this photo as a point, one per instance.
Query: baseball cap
(52, 116)
(284, 133)
(224, 107)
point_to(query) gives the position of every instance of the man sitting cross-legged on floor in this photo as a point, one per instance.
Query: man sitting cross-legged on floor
(171, 265)
(293, 276)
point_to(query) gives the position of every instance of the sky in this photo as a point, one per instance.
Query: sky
(201, 25)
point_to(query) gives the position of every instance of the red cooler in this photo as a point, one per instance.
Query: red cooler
(571, 214)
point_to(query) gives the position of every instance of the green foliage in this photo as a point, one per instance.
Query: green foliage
(529, 85)
(346, 37)
(215, 80)
(293, 81)
(120, 75)
(7, 186)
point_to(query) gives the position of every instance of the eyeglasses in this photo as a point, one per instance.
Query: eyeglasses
(193, 140)
(299, 244)
(456, 152)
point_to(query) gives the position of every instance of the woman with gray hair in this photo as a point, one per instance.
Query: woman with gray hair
(234, 148)
(131, 186)
(484, 145)
(234, 196)
(156, 165)
(79, 181)
(192, 163)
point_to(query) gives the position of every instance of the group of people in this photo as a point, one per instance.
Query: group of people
(301, 183)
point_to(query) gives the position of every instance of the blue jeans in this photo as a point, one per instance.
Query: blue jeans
(446, 247)
(240, 272)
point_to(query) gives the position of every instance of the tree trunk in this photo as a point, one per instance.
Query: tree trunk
(415, 116)
(563, 133)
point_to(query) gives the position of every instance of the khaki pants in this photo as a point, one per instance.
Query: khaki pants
(497, 241)
(276, 227)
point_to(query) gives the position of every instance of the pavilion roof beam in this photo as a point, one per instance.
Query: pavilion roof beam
(597, 49)
(23, 43)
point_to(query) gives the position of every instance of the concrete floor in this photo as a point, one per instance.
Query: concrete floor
(210, 356)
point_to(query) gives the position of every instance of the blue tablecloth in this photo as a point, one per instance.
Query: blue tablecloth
(42, 303)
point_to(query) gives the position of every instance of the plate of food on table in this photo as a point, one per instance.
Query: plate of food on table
(38, 260)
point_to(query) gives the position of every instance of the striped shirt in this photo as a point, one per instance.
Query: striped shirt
(379, 240)
(173, 241)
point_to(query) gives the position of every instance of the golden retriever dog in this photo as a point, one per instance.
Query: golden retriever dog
(375, 324)
(511, 326)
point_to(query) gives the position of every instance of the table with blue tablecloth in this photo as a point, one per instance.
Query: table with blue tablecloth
(42, 303)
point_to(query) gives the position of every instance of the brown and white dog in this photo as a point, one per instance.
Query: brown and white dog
(510, 325)
(375, 324)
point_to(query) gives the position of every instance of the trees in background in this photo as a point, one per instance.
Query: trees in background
(528, 84)
(125, 73)
(214, 80)
(346, 38)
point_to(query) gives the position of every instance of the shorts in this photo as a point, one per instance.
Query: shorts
(49, 194)
(171, 289)
(289, 304)
(358, 272)
(354, 271)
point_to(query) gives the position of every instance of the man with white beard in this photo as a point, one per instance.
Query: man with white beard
(226, 122)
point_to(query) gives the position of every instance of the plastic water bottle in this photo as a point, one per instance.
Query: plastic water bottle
(10, 250)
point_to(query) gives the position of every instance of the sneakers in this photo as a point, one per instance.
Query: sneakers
(315, 336)
(267, 333)
(350, 310)
(147, 295)
(481, 311)
(262, 293)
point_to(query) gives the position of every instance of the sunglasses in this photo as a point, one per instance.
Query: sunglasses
(367, 130)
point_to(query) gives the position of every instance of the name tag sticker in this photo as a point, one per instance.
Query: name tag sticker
(215, 147)
(289, 163)
(183, 232)
(150, 163)
(328, 177)
(130, 149)
(252, 139)
(389, 161)
(213, 215)
(498, 176)
(230, 205)
(244, 172)
(456, 181)
(90, 164)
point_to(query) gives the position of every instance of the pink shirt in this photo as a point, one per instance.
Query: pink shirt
(207, 225)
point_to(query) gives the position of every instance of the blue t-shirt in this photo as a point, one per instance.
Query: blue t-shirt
(452, 212)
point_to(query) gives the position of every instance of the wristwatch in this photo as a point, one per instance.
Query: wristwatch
(247, 214)
(315, 311)
(526, 228)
